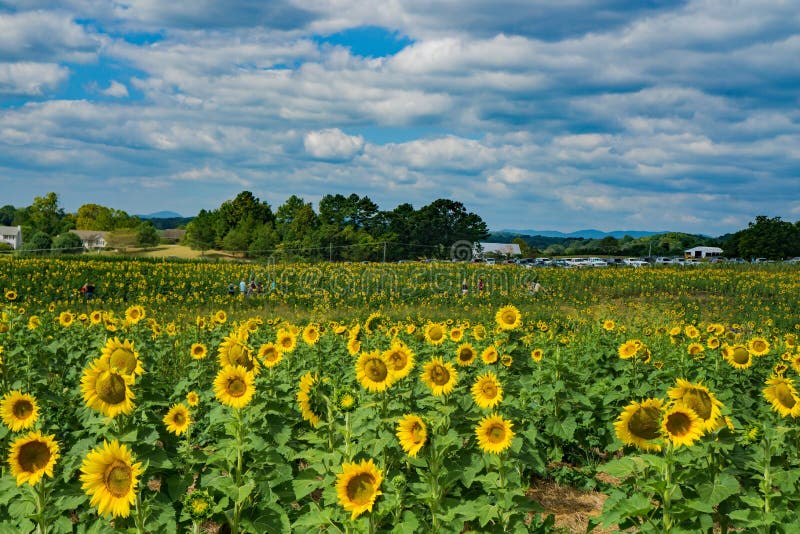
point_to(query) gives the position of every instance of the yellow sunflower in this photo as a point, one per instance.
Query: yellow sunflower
(192, 399)
(737, 356)
(781, 393)
(374, 372)
(400, 360)
(628, 349)
(19, 410)
(691, 331)
(465, 355)
(234, 351)
(178, 419)
(758, 346)
(508, 317)
(110, 475)
(307, 382)
(536, 355)
(121, 356)
(66, 318)
(456, 333)
(234, 386)
(479, 332)
(198, 351)
(134, 314)
(372, 322)
(358, 486)
(311, 334)
(494, 434)
(32, 456)
(34, 322)
(700, 399)
(286, 340)
(270, 354)
(11, 295)
(639, 424)
(712, 342)
(609, 325)
(681, 425)
(695, 348)
(487, 391)
(96, 317)
(219, 317)
(107, 390)
(435, 333)
(489, 355)
(412, 433)
(440, 376)
(353, 346)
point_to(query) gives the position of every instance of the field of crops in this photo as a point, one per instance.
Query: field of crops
(380, 398)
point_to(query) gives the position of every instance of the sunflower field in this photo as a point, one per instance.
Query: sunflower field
(380, 398)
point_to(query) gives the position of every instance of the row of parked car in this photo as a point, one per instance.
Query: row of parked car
(629, 262)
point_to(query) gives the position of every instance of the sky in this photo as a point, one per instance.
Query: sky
(562, 115)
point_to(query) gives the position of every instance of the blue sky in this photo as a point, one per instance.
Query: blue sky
(609, 114)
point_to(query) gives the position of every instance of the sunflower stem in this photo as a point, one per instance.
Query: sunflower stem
(139, 515)
(237, 506)
(668, 488)
(767, 481)
(41, 507)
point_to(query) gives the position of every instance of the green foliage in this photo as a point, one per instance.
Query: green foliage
(67, 243)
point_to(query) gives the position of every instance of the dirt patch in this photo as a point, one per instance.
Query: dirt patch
(572, 508)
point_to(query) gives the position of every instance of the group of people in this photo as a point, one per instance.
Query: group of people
(87, 290)
(248, 288)
(533, 286)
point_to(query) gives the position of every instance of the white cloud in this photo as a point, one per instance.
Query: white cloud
(332, 144)
(116, 89)
(25, 78)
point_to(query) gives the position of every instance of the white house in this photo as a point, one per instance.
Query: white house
(702, 252)
(508, 249)
(92, 239)
(11, 235)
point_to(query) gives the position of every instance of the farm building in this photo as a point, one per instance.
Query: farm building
(11, 235)
(508, 249)
(702, 252)
(92, 239)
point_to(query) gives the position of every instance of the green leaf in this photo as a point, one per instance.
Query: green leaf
(723, 486)
(305, 482)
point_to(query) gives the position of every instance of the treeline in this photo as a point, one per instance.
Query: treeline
(46, 226)
(770, 238)
(351, 228)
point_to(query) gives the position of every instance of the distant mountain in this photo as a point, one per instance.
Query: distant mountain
(585, 234)
(162, 215)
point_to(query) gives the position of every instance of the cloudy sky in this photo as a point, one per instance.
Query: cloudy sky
(545, 114)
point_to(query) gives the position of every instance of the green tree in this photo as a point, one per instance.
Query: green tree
(44, 214)
(7, 215)
(94, 217)
(67, 243)
(147, 235)
(766, 237)
(201, 233)
(443, 222)
(39, 243)
(263, 241)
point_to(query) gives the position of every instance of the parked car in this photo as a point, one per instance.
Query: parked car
(576, 262)
(596, 262)
(663, 260)
(635, 262)
(794, 260)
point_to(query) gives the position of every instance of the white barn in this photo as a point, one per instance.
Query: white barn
(11, 235)
(92, 239)
(509, 249)
(702, 252)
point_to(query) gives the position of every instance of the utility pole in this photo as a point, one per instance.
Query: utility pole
(330, 252)
(384, 252)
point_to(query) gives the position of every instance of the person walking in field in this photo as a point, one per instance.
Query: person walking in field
(464, 287)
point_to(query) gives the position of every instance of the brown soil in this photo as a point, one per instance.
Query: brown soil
(572, 508)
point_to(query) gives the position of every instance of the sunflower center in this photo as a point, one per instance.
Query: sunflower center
(397, 359)
(111, 388)
(509, 317)
(644, 423)
(123, 359)
(700, 402)
(678, 424)
(236, 387)
(759, 345)
(22, 409)
(286, 342)
(376, 370)
(118, 479)
(436, 333)
(440, 375)
(270, 354)
(33, 456)
(417, 433)
(198, 350)
(496, 433)
(740, 355)
(489, 390)
(179, 418)
(360, 488)
(199, 506)
(465, 355)
(784, 396)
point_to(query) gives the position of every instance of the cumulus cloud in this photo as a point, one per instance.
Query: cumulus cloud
(116, 89)
(33, 79)
(332, 144)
